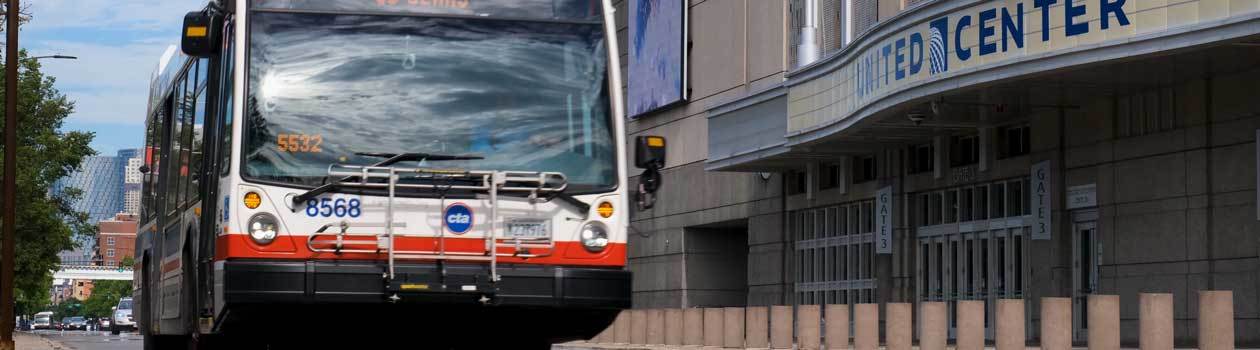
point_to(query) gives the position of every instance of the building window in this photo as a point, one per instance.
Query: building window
(863, 169)
(1016, 141)
(921, 160)
(109, 253)
(796, 182)
(829, 176)
(834, 253)
(110, 241)
(964, 150)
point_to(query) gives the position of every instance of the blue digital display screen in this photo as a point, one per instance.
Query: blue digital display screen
(656, 78)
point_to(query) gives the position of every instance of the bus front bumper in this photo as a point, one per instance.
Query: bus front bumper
(366, 282)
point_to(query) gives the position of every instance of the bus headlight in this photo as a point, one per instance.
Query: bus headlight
(262, 228)
(594, 237)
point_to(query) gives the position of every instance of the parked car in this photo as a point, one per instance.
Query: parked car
(42, 320)
(75, 323)
(122, 317)
(60, 324)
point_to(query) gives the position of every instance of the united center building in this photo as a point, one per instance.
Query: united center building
(854, 151)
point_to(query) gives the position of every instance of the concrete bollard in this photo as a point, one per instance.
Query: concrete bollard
(733, 327)
(674, 327)
(621, 335)
(638, 326)
(655, 327)
(866, 326)
(837, 332)
(1010, 334)
(1056, 323)
(933, 326)
(757, 335)
(970, 325)
(1216, 320)
(780, 327)
(713, 327)
(604, 337)
(899, 330)
(1155, 316)
(1104, 322)
(693, 326)
(808, 327)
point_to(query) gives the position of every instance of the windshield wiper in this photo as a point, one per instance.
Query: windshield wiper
(390, 159)
(583, 207)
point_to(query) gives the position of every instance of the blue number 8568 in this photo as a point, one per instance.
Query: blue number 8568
(339, 207)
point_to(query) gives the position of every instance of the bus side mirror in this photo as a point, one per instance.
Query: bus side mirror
(201, 34)
(144, 169)
(649, 154)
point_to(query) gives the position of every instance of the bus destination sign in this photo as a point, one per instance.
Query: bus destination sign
(569, 10)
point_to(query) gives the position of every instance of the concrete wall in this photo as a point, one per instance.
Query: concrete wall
(738, 47)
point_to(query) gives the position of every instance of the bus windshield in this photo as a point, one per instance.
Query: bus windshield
(521, 95)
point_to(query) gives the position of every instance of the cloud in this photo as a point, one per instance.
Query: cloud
(109, 83)
(128, 14)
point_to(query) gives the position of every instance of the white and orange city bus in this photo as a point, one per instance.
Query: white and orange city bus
(453, 171)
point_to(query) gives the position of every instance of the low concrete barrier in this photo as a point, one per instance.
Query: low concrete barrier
(780, 327)
(970, 325)
(1216, 320)
(674, 327)
(837, 331)
(713, 328)
(899, 331)
(1056, 323)
(733, 327)
(757, 335)
(933, 326)
(1010, 324)
(693, 326)
(809, 327)
(1155, 318)
(1104, 322)
(866, 326)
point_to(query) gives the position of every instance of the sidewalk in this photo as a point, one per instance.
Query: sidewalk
(31, 341)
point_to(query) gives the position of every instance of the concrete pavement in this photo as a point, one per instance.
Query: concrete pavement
(31, 341)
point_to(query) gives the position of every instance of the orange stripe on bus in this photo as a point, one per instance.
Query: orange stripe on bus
(566, 252)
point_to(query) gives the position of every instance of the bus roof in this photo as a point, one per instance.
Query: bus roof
(168, 68)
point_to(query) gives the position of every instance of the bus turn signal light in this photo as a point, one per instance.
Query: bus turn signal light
(605, 209)
(252, 200)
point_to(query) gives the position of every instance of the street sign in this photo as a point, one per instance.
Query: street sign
(1041, 211)
(883, 221)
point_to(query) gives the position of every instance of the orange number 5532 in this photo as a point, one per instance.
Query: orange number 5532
(299, 143)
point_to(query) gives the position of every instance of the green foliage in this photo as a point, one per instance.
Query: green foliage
(127, 261)
(46, 224)
(68, 308)
(105, 295)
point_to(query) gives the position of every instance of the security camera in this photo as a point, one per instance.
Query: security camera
(916, 117)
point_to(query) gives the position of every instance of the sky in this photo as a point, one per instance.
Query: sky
(118, 43)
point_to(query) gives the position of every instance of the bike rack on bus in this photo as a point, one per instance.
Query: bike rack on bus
(439, 181)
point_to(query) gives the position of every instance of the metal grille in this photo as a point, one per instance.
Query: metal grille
(796, 17)
(865, 15)
(831, 25)
(911, 3)
(835, 257)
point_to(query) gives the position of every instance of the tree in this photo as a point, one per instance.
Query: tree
(68, 308)
(46, 223)
(105, 294)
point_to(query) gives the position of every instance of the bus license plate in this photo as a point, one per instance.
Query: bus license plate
(527, 229)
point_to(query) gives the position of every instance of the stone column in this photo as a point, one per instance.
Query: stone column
(837, 332)
(622, 325)
(1010, 324)
(656, 326)
(638, 326)
(1104, 322)
(1216, 320)
(933, 326)
(1056, 323)
(970, 324)
(1155, 316)
(866, 327)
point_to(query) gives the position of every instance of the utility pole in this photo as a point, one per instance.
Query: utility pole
(9, 216)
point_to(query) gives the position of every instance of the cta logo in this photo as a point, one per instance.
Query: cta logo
(458, 218)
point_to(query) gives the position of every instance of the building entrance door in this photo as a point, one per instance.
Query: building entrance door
(1086, 255)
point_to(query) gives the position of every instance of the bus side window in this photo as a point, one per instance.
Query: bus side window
(170, 182)
(228, 90)
(195, 128)
(185, 136)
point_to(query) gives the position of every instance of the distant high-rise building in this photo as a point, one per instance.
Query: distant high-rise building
(132, 179)
(100, 180)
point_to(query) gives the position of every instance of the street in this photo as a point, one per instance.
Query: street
(93, 340)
